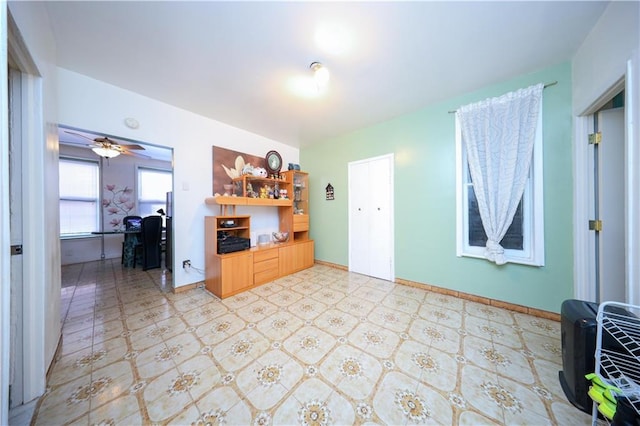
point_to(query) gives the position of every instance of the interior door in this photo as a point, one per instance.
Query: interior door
(358, 218)
(371, 217)
(16, 372)
(610, 256)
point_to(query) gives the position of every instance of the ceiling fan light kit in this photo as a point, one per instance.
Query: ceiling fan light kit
(320, 75)
(106, 152)
(108, 148)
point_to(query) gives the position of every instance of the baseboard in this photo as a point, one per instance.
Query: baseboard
(187, 287)
(331, 265)
(56, 357)
(467, 296)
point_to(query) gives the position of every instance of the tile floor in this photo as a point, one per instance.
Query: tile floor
(320, 347)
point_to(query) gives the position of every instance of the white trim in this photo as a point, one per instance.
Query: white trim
(584, 287)
(34, 274)
(632, 153)
(583, 242)
(35, 232)
(460, 201)
(5, 260)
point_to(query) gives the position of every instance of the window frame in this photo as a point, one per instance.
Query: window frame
(97, 200)
(139, 200)
(533, 206)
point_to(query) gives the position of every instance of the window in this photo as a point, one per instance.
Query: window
(153, 185)
(79, 197)
(524, 241)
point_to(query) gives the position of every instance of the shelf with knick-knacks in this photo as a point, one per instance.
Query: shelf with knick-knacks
(298, 220)
(255, 191)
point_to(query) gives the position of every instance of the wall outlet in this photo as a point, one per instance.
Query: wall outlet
(186, 264)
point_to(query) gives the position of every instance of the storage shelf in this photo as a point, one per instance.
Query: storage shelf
(225, 200)
(259, 179)
(619, 366)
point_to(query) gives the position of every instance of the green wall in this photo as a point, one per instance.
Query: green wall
(423, 143)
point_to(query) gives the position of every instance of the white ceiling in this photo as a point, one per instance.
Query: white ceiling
(235, 62)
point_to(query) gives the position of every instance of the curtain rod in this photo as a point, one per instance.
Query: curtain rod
(553, 83)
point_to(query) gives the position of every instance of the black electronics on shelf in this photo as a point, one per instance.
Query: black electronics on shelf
(229, 243)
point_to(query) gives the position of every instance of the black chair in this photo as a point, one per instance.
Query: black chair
(131, 223)
(151, 237)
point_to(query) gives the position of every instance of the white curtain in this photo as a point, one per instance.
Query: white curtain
(499, 134)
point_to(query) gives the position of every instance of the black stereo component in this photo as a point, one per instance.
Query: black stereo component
(230, 244)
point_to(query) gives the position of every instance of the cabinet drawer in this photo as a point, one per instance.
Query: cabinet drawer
(300, 222)
(265, 276)
(265, 265)
(262, 255)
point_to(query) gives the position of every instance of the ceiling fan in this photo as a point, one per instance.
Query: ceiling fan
(108, 148)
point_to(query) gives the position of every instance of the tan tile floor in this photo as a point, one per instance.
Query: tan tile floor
(320, 347)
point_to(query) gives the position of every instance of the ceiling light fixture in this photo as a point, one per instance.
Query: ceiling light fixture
(320, 75)
(106, 152)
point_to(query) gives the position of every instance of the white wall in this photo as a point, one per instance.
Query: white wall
(602, 58)
(90, 104)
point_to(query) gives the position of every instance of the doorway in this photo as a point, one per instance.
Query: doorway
(608, 202)
(31, 336)
(371, 217)
(137, 182)
(605, 262)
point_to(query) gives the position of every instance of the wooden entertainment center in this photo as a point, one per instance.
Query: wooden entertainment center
(232, 273)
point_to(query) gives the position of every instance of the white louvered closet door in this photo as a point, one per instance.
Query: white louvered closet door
(371, 217)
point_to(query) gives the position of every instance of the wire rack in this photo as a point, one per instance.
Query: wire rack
(617, 356)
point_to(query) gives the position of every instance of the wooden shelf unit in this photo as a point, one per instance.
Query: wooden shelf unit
(232, 273)
(295, 219)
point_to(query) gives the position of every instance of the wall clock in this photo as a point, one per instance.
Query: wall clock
(274, 162)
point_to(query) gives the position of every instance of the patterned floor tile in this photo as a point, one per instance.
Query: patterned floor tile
(323, 346)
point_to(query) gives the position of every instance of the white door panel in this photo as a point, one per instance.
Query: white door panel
(611, 197)
(16, 355)
(370, 217)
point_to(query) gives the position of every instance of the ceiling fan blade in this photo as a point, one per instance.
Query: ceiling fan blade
(78, 134)
(106, 141)
(135, 154)
(138, 147)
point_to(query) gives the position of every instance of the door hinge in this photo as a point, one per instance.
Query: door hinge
(595, 138)
(595, 225)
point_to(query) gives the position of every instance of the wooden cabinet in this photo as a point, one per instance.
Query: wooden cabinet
(295, 257)
(227, 274)
(232, 273)
(265, 265)
(236, 273)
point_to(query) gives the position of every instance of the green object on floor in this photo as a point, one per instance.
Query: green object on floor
(603, 394)
(607, 408)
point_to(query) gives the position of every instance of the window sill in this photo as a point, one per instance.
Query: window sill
(514, 260)
(78, 236)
